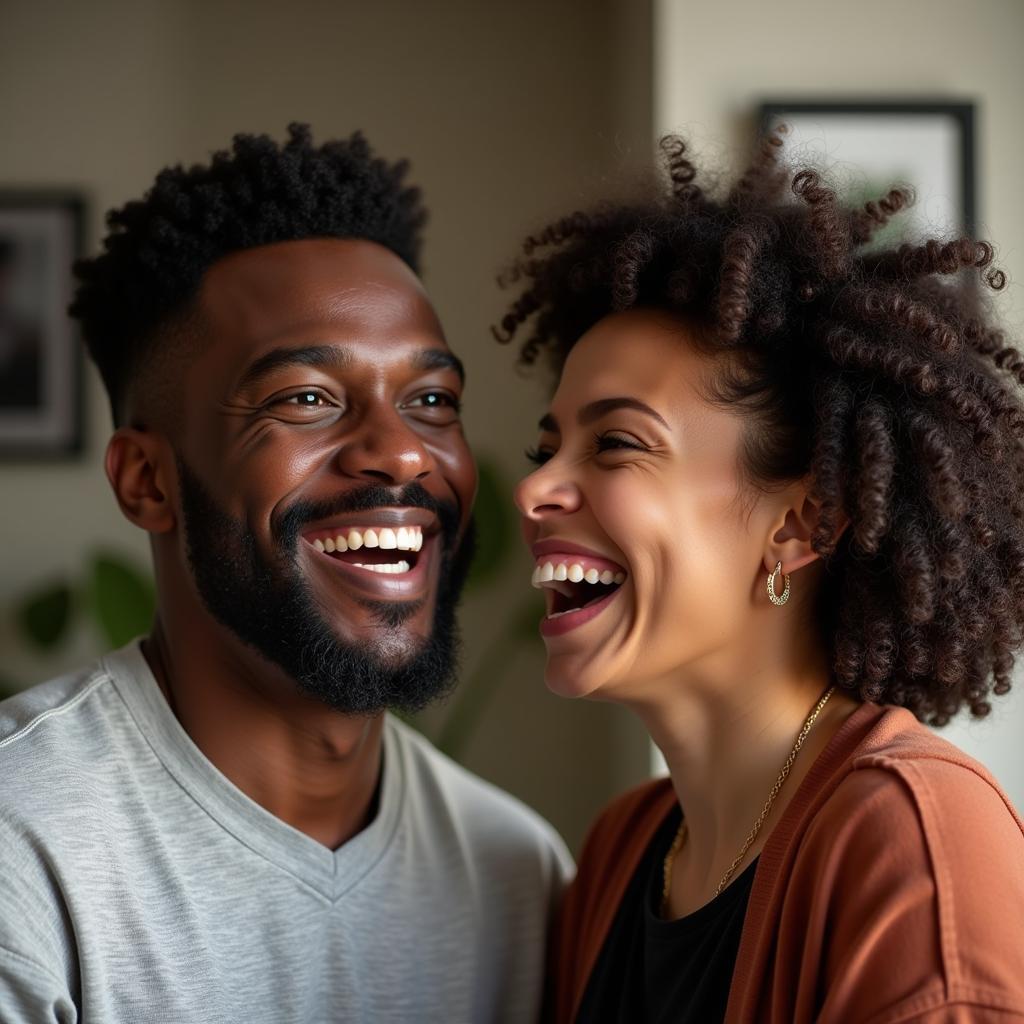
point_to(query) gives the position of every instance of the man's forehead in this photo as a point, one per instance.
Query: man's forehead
(314, 285)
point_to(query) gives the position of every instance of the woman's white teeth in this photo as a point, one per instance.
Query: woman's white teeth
(574, 573)
(385, 567)
(404, 539)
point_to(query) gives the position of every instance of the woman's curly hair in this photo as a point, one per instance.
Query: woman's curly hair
(873, 372)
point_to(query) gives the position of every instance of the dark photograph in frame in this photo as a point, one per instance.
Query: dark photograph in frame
(867, 146)
(40, 354)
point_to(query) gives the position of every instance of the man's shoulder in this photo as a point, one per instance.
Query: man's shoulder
(48, 714)
(442, 790)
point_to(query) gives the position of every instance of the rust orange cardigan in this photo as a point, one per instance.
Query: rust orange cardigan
(891, 891)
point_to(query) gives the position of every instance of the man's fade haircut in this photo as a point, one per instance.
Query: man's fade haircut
(873, 371)
(258, 193)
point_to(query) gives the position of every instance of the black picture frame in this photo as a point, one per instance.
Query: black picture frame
(41, 400)
(950, 157)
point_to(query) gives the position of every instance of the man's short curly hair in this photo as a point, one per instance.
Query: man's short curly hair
(872, 372)
(260, 192)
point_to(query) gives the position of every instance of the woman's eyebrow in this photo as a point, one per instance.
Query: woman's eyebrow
(596, 409)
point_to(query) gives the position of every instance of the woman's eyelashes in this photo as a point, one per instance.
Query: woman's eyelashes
(602, 442)
(609, 442)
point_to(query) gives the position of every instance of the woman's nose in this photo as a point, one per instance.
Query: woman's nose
(545, 494)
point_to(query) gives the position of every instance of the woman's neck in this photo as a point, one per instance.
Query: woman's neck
(725, 733)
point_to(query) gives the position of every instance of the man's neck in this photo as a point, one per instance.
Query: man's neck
(315, 769)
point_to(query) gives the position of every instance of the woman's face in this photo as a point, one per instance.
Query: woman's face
(641, 484)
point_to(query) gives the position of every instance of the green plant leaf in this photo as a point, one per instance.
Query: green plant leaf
(44, 615)
(122, 599)
(495, 525)
(475, 693)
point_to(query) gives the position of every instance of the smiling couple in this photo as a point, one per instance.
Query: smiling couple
(777, 513)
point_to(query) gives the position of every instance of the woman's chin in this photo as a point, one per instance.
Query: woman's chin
(564, 679)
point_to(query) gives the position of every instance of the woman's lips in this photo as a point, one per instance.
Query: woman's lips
(579, 578)
(565, 622)
(546, 549)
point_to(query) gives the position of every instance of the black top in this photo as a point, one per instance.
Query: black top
(654, 970)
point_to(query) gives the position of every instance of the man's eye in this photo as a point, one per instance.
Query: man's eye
(435, 400)
(304, 400)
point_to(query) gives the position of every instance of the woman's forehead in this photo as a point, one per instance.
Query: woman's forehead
(645, 351)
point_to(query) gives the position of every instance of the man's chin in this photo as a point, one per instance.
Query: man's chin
(412, 617)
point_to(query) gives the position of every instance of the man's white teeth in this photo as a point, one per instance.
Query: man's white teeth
(386, 567)
(404, 539)
(574, 573)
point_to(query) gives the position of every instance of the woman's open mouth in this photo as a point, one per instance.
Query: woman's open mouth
(577, 588)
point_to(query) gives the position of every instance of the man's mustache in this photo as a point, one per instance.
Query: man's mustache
(365, 499)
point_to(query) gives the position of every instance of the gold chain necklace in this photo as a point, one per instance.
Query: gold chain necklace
(681, 832)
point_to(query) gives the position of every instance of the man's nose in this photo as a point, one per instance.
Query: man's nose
(385, 450)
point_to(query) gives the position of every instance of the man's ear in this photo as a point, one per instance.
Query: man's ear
(790, 536)
(139, 468)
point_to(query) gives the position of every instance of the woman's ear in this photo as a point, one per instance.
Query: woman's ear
(138, 466)
(792, 531)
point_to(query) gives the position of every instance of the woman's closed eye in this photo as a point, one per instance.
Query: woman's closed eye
(606, 442)
(610, 442)
(538, 456)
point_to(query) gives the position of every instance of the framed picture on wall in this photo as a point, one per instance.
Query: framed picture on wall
(868, 146)
(40, 354)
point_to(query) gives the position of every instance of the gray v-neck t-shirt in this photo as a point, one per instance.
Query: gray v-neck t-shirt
(137, 884)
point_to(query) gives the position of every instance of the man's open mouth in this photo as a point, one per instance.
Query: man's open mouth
(384, 550)
(575, 582)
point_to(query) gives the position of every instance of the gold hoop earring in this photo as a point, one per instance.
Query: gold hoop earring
(778, 599)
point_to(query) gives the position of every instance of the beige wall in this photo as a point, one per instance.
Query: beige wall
(714, 62)
(508, 112)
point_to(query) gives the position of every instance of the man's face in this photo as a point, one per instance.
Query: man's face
(326, 485)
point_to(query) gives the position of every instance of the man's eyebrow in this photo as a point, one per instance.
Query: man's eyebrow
(595, 410)
(278, 358)
(331, 356)
(439, 359)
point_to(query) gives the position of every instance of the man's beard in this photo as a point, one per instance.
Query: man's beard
(270, 607)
